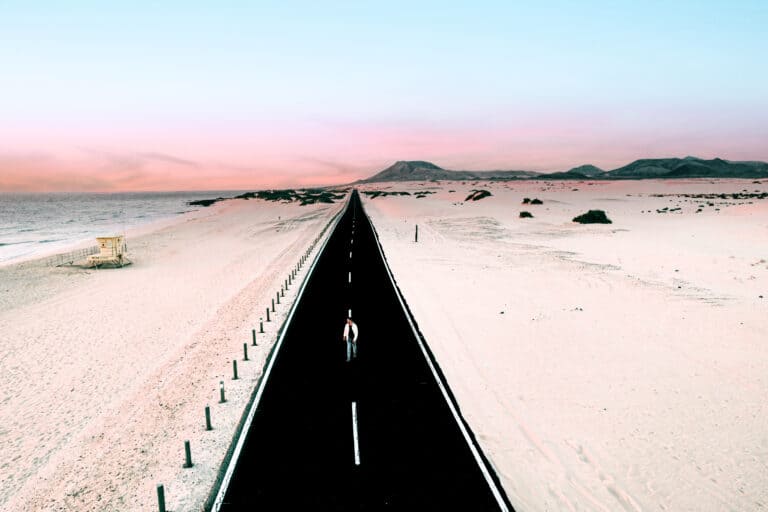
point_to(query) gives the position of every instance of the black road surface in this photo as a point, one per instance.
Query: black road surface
(406, 451)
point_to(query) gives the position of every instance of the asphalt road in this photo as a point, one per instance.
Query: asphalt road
(375, 433)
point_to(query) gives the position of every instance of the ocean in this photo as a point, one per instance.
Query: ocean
(39, 224)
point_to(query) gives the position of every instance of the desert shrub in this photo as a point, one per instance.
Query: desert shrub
(526, 200)
(526, 215)
(593, 217)
(373, 194)
(537, 201)
(303, 196)
(476, 195)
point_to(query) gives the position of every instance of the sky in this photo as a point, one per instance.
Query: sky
(114, 96)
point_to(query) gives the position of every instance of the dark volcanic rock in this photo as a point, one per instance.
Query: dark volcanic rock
(593, 217)
(373, 194)
(477, 195)
(205, 202)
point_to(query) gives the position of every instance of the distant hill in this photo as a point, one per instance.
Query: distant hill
(646, 168)
(582, 172)
(417, 170)
(567, 175)
(588, 170)
(688, 167)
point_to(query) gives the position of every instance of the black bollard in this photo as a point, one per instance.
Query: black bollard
(278, 295)
(268, 315)
(282, 293)
(234, 369)
(208, 418)
(253, 335)
(221, 392)
(187, 455)
(245, 351)
(261, 326)
(160, 497)
(416, 238)
(273, 308)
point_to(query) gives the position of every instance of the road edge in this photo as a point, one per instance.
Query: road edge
(216, 496)
(484, 464)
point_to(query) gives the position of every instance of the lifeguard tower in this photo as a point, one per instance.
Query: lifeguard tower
(112, 251)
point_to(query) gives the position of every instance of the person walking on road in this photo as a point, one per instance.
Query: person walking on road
(350, 336)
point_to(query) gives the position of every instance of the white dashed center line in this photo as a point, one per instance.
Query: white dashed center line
(354, 433)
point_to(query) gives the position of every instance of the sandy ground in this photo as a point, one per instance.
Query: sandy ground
(105, 373)
(602, 367)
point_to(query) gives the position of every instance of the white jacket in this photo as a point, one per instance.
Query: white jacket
(354, 331)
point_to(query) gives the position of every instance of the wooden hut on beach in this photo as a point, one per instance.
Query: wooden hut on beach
(112, 251)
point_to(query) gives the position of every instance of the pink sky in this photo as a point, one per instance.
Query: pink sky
(246, 155)
(151, 96)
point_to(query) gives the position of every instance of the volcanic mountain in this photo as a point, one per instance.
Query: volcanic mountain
(688, 167)
(417, 170)
(646, 168)
(582, 172)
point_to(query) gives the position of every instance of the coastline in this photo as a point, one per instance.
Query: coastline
(107, 371)
(135, 228)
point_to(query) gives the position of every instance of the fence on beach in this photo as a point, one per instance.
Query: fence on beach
(69, 258)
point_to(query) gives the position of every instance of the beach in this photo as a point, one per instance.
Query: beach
(106, 372)
(601, 366)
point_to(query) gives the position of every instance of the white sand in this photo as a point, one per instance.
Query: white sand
(602, 367)
(105, 373)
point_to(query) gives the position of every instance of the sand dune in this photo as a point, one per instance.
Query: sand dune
(603, 367)
(105, 373)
